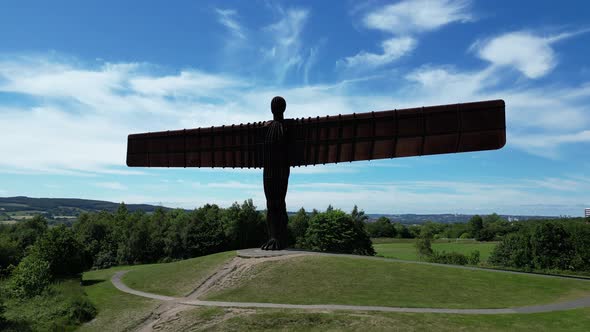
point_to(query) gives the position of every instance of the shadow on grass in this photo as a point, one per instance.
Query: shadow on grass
(90, 282)
(20, 326)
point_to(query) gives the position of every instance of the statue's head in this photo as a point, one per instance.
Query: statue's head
(278, 106)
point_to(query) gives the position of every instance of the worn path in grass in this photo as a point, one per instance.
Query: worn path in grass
(241, 265)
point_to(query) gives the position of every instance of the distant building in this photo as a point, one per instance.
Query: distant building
(587, 212)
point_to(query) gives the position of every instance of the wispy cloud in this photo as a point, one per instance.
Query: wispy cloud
(507, 196)
(413, 16)
(286, 51)
(393, 49)
(527, 52)
(227, 18)
(111, 185)
(405, 20)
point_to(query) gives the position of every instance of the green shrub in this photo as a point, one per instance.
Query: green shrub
(31, 277)
(2, 310)
(336, 231)
(79, 310)
(443, 257)
(474, 257)
(424, 247)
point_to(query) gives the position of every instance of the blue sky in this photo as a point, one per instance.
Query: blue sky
(77, 78)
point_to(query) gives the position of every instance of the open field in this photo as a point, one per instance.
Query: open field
(405, 249)
(180, 277)
(357, 281)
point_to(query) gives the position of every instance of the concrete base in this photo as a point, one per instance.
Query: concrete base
(259, 253)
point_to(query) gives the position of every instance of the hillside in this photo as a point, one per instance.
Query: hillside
(311, 292)
(61, 209)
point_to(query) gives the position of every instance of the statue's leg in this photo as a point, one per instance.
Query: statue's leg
(275, 190)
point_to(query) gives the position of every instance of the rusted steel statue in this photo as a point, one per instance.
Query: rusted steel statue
(282, 143)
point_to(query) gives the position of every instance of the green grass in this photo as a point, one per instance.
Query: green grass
(177, 278)
(52, 310)
(358, 281)
(293, 320)
(405, 249)
(117, 311)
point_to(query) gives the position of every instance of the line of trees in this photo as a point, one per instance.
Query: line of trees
(487, 228)
(35, 254)
(562, 245)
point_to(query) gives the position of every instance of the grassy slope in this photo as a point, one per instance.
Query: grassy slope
(177, 278)
(357, 281)
(407, 251)
(117, 311)
(293, 320)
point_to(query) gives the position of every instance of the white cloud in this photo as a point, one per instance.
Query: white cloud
(111, 185)
(78, 124)
(286, 50)
(393, 49)
(414, 16)
(548, 144)
(226, 17)
(187, 83)
(508, 196)
(525, 51)
(405, 20)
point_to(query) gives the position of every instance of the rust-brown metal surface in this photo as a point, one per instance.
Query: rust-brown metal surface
(331, 139)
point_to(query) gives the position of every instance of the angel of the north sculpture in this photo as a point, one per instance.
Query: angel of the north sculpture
(279, 144)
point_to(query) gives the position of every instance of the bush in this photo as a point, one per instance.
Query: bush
(454, 258)
(465, 235)
(474, 257)
(2, 310)
(79, 310)
(336, 231)
(424, 247)
(31, 277)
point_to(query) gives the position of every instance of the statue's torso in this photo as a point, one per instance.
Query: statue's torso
(276, 163)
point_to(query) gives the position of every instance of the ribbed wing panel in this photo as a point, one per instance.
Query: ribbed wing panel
(399, 133)
(226, 146)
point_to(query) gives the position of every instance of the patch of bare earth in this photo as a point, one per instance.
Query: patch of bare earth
(170, 315)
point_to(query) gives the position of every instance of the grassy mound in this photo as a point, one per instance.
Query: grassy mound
(177, 278)
(215, 319)
(358, 281)
(405, 249)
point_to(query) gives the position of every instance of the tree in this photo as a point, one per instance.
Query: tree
(31, 277)
(358, 216)
(244, 226)
(336, 231)
(298, 225)
(424, 244)
(475, 226)
(514, 251)
(551, 247)
(381, 228)
(60, 248)
(402, 231)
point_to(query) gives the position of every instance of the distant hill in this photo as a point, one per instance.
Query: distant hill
(22, 207)
(444, 218)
